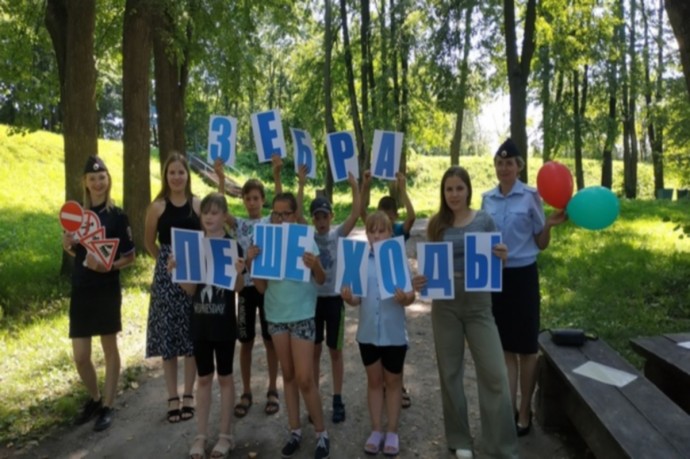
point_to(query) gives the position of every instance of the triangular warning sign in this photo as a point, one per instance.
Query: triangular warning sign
(105, 250)
(93, 236)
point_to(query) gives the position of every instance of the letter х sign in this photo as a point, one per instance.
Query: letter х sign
(87, 226)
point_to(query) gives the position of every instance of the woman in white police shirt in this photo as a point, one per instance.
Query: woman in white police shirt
(96, 296)
(517, 211)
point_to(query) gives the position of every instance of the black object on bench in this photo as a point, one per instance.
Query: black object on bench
(633, 421)
(667, 365)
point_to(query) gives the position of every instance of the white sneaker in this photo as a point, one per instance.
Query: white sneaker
(464, 453)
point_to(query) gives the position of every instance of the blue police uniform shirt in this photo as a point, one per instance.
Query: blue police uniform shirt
(519, 216)
(381, 322)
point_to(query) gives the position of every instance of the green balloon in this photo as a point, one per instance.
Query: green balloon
(593, 208)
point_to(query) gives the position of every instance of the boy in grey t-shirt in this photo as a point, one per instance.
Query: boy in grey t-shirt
(330, 309)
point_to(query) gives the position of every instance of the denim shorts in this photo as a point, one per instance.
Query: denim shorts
(302, 329)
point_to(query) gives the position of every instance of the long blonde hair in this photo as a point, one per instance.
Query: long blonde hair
(165, 187)
(443, 219)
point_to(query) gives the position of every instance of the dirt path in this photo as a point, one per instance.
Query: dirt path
(140, 429)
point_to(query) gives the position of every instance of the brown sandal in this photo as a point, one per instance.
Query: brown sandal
(187, 411)
(272, 404)
(174, 414)
(242, 408)
(406, 401)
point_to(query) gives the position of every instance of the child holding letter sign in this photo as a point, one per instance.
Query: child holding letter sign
(382, 338)
(290, 307)
(96, 297)
(389, 206)
(250, 301)
(468, 317)
(213, 331)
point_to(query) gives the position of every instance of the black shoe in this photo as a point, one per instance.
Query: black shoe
(292, 445)
(323, 448)
(89, 410)
(105, 418)
(338, 412)
(522, 431)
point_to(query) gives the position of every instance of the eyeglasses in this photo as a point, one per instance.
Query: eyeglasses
(281, 215)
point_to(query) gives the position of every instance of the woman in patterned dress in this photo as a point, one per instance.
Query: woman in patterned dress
(168, 334)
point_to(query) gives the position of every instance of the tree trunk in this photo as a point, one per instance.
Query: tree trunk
(464, 73)
(71, 28)
(654, 130)
(547, 122)
(354, 110)
(630, 164)
(579, 175)
(679, 16)
(611, 127)
(518, 73)
(328, 89)
(170, 84)
(366, 63)
(404, 110)
(136, 57)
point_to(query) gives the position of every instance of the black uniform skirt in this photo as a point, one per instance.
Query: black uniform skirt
(95, 311)
(516, 309)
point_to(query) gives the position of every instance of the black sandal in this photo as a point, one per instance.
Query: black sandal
(241, 409)
(406, 401)
(272, 406)
(174, 415)
(187, 412)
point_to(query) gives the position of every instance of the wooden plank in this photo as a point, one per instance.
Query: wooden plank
(667, 365)
(665, 350)
(617, 420)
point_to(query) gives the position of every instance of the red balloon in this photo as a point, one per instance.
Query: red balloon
(555, 184)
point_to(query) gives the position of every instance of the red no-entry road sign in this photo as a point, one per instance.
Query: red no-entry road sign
(71, 215)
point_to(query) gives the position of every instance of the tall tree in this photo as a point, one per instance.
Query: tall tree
(518, 72)
(653, 95)
(328, 88)
(679, 16)
(170, 55)
(71, 27)
(366, 65)
(136, 57)
(354, 110)
(462, 96)
(630, 154)
(579, 109)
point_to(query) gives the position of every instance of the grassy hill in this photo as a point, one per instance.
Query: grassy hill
(625, 281)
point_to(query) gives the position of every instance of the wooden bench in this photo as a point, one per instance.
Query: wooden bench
(667, 365)
(633, 421)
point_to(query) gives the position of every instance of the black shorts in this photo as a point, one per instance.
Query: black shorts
(248, 302)
(224, 352)
(392, 357)
(330, 314)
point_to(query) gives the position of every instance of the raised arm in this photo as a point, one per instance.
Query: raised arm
(301, 181)
(410, 215)
(351, 219)
(277, 165)
(365, 195)
(219, 169)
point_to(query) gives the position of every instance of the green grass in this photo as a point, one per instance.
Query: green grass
(625, 281)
